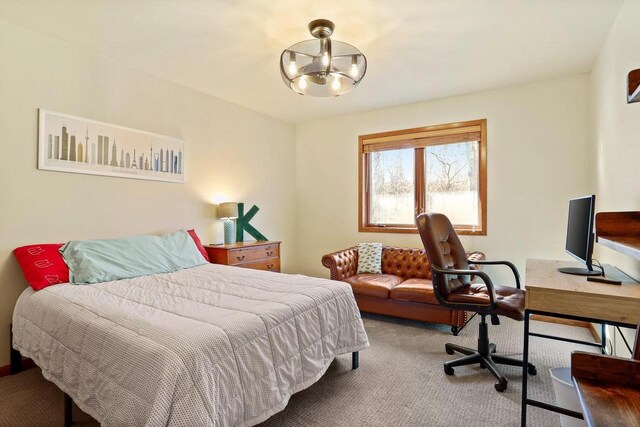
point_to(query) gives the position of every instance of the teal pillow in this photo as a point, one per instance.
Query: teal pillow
(97, 261)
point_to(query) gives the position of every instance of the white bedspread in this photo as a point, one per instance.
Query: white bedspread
(207, 346)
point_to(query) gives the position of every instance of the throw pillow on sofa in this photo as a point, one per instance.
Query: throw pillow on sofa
(370, 258)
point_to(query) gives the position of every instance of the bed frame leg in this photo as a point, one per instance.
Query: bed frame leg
(68, 410)
(15, 358)
(355, 362)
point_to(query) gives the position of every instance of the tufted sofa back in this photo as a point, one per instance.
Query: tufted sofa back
(405, 262)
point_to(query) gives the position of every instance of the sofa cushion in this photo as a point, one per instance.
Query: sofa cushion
(415, 290)
(373, 285)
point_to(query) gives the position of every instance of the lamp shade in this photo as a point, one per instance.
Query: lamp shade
(228, 210)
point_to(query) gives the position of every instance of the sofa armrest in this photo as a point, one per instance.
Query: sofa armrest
(342, 264)
(474, 257)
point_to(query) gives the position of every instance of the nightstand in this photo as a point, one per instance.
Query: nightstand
(256, 255)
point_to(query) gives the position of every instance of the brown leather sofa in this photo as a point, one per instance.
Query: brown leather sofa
(403, 289)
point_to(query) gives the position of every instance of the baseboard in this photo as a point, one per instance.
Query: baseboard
(26, 364)
(568, 322)
(594, 333)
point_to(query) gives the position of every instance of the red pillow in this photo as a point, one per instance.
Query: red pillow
(42, 265)
(198, 243)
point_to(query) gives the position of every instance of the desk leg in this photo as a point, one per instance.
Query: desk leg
(603, 337)
(525, 363)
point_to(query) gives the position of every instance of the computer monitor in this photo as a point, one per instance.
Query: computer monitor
(580, 234)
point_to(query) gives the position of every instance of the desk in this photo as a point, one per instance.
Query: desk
(554, 294)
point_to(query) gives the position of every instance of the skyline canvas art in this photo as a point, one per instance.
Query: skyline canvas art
(73, 144)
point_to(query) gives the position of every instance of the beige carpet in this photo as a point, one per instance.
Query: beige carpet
(400, 382)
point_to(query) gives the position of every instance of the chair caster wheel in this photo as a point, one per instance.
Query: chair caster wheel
(532, 370)
(448, 350)
(483, 365)
(448, 370)
(499, 386)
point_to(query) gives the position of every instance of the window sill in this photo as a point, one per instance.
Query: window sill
(461, 231)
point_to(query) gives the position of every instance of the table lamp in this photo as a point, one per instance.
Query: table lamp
(228, 211)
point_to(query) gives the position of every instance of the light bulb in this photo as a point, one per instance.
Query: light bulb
(302, 82)
(325, 59)
(293, 68)
(336, 83)
(354, 70)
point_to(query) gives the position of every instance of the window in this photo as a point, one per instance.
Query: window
(432, 169)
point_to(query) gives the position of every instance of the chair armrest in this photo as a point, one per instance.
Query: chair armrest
(481, 274)
(606, 369)
(513, 268)
(342, 264)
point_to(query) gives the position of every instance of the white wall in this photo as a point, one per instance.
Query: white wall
(538, 158)
(232, 153)
(616, 131)
(616, 125)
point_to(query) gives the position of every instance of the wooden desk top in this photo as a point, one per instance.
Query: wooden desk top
(554, 292)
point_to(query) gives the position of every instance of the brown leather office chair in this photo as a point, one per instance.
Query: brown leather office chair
(453, 289)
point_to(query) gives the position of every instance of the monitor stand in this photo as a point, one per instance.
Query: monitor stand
(577, 271)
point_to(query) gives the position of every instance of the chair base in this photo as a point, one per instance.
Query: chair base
(485, 356)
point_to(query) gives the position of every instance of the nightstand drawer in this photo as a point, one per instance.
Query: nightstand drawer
(244, 255)
(272, 264)
(258, 255)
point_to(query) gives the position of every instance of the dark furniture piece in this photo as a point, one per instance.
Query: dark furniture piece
(619, 231)
(633, 86)
(453, 289)
(608, 387)
(256, 255)
(403, 289)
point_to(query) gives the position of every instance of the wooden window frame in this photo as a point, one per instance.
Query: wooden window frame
(419, 138)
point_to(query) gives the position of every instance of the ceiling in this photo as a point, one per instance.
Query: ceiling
(416, 49)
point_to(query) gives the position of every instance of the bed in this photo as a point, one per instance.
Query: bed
(206, 346)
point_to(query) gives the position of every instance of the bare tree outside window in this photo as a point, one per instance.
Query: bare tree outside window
(392, 187)
(452, 181)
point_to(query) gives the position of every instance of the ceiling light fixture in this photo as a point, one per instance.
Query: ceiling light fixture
(322, 67)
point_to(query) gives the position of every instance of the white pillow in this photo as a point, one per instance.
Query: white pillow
(370, 258)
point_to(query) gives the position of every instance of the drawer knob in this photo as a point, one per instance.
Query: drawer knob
(269, 253)
(269, 266)
(240, 258)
